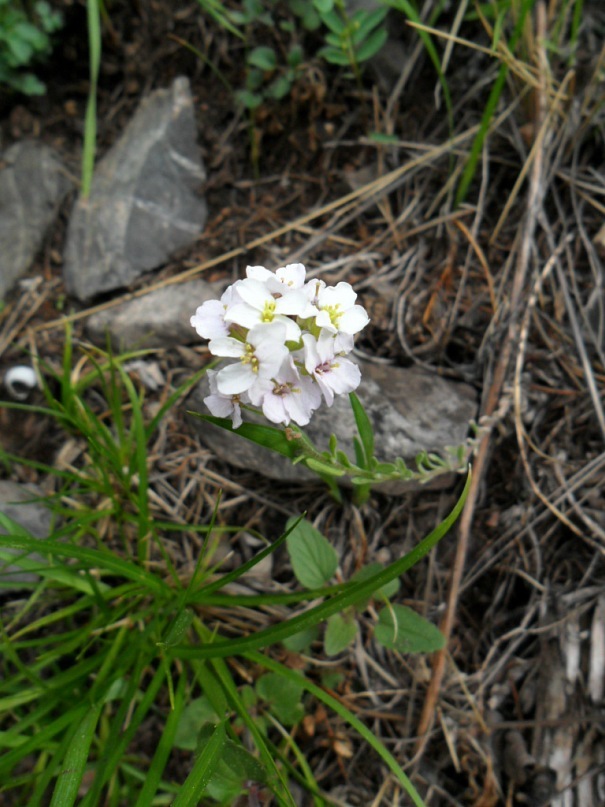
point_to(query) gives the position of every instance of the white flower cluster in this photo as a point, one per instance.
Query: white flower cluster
(290, 338)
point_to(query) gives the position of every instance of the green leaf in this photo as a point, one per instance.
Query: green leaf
(323, 6)
(178, 628)
(205, 765)
(263, 57)
(236, 767)
(299, 642)
(255, 79)
(341, 631)
(70, 777)
(314, 559)
(194, 716)
(311, 20)
(163, 748)
(388, 590)
(350, 718)
(295, 56)
(249, 100)
(372, 45)
(333, 21)
(383, 139)
(279, 88)
(364, 428)
(283, 697)
(322, 467)
(400, 628)
(335, 604)
(367, 20)
(266, 436)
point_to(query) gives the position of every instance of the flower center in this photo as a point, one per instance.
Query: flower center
(334, 312)
(323, 368)
(268, 311)
(250, 358)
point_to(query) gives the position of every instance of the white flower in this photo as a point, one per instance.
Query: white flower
(289, 339)
(224, 406)
(260, 306)
(333, 373)
(288, 397)
(209, 318)
(260, 356)
(336, 306)
(291, 276)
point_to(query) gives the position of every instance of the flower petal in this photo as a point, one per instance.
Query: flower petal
(235, 379)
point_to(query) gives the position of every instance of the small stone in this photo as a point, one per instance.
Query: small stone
(144, 203)
(33, 182)
(158, 319)
(411, 411)
(20, 503)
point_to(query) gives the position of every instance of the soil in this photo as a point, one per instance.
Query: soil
(499, 291)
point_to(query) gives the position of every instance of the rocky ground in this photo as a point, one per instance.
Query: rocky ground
(489, 310)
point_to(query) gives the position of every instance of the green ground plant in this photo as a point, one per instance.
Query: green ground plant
(25, 38)
(351, 38)
(114, 636)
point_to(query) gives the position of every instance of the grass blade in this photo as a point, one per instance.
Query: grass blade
(90, 125)
(70, 778)
(204, 767)
(350, 718)
(349, 596)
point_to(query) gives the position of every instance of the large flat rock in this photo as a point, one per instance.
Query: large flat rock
(33, 183)
(158, 319)
(145, 200)
(411, 411)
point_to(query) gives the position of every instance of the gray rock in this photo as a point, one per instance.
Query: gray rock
(158, 319)
(32, 184)
(144, 202)
(411, 411)
(18, 502)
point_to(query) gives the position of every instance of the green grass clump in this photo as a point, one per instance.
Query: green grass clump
(115, 679)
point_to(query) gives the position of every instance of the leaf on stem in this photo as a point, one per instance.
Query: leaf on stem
(314, 559)
(400, 628)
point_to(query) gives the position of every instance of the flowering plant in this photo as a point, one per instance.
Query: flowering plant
(291, 340)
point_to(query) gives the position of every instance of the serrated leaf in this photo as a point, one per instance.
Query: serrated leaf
(341, 631)
(262, 57)
(314, 559)
(401, 628)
